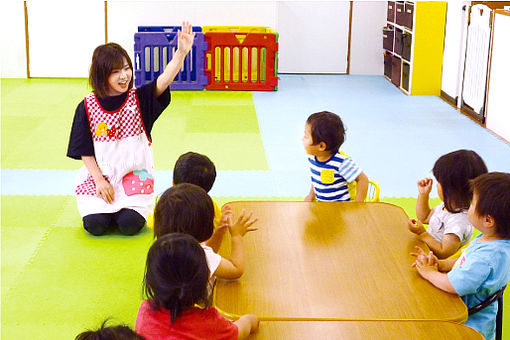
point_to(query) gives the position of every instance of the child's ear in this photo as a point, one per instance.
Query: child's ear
(322, 146)
(489, 221)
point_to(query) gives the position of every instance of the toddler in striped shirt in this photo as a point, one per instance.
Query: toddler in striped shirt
(331, 170)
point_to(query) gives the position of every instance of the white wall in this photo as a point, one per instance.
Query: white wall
(313, 36)
(13, 61)
(124, 17)
(368, 19)
(63, 34)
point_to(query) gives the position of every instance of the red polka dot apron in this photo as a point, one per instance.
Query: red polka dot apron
(124, 155)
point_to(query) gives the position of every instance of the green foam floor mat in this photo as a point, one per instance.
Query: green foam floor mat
(37, 116)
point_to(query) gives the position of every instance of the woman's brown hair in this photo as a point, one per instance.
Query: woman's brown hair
(106, 58)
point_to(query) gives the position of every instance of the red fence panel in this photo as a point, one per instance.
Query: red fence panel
(242, 61)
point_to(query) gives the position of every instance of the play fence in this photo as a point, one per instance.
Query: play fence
(222, 58)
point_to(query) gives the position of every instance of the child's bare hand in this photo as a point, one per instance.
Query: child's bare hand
(309, 198)
(425, 268)
(226, 212)
(105, 190)
(425, 185)
(423, 258)
(416, 226)
(243, 224)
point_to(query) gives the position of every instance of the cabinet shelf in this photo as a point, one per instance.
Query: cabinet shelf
(414, 36)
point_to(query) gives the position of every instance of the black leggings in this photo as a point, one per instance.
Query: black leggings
(129, 222)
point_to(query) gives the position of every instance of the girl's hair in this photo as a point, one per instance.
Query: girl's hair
(185, 208)
(120, 332)
(104, 59)
(493, 193)
(327, 127)
(453, 171)
(176, 274)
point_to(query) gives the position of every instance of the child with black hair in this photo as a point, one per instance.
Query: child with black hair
(187, 208)
(484, 266)
(111, 134)
(331, 170)
(449, 228)
(119, 332)
(178, 305)
(198, 169)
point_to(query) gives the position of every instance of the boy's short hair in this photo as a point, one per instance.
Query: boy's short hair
(176, 274)
(493, 198)
(195, 168)
(120, 332)
(327, 127)
(104, 59)
(184, 208)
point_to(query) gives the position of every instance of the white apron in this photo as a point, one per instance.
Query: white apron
(124, 155)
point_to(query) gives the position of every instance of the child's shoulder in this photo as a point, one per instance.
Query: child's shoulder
(491, 250)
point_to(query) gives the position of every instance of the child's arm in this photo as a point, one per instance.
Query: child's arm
(449, 246)
(311, 195)
(423, 211)
(428, 268)
(103, 188)
(438, 279)
(185, 42)
(246, 324)
(361, 187)
(217, 237)
(234, 267)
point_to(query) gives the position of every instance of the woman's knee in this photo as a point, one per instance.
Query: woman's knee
(129, 221)
(97, 224)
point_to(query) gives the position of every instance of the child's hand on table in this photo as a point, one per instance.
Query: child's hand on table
(416, 227)
(425, 263)
(243, 224)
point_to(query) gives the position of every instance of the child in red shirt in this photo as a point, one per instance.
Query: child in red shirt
(176, 277)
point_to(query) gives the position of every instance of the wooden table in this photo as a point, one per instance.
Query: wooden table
(353, 330)
(332, 261)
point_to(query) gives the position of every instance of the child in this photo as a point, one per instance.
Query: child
(449, 228)
(197, 169)
(111, 135)
(175, 282)
(331, 170)
(187, 208)
(484, 266)
(110, 333)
